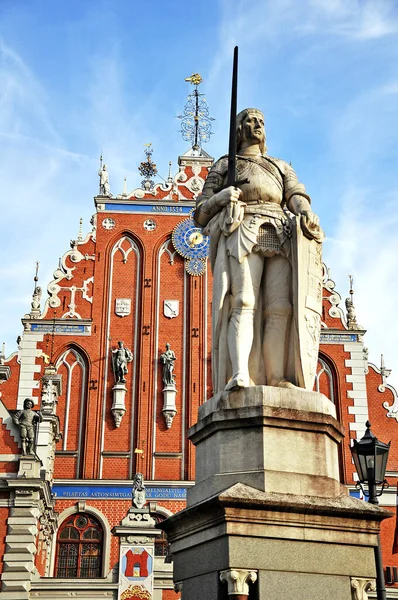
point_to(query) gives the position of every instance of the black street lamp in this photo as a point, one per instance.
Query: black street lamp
(370, 459)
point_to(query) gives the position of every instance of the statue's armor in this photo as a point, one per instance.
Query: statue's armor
(265, 226)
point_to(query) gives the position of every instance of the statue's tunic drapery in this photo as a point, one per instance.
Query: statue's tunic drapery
(256, 223)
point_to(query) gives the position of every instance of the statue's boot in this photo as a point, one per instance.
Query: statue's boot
(275, 344)
(240, 340)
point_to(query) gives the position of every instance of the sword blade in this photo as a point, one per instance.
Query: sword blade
(231, 176)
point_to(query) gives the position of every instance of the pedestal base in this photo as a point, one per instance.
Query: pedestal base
(118, 409)
(268, 501)
(300, 547)
(274, 439)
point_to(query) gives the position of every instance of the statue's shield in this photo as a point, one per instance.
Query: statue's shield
(307, 300)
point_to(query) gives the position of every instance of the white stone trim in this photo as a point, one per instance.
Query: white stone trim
(80, 361)
(161, 510)
(5, 417)
(27, 358)
(164, 248)
(358, 394)
(9, 457)
(106, 541)
(135, 248)
(392, 409)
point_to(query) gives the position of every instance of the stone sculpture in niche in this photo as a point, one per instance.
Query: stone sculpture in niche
(168, 359)
(266, 265)
(27, 421)
(121, 356)
(169, 409)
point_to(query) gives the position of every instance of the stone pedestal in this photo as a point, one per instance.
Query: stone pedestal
(268, 501)
(137, 535)
(169, 409)
(273, 439)
(31, 502)
(118, 409)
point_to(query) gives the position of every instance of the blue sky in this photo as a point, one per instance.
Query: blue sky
(83, 76)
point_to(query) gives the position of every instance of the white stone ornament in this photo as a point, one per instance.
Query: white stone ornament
(171, 308)
(150, 225)
(122, 307)
(361, 586)
(108, 223)
(238, 580)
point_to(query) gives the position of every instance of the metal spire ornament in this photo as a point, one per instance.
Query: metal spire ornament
(148, 169)
(195, 120)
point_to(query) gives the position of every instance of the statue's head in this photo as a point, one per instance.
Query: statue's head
(28, 403)
(167, 346)
(138, 479)
(120, 344)
(250, 127)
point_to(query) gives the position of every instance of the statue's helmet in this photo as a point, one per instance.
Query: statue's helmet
(28, 401)
(239, 126)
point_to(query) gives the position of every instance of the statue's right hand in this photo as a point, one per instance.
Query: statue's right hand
(227, 195)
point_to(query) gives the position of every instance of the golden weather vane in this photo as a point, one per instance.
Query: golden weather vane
(195, 120)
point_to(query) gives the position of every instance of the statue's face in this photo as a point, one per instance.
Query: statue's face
(253, 128)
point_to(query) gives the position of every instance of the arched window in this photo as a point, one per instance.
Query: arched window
(72, 409)
(79, 547)
(324, 381)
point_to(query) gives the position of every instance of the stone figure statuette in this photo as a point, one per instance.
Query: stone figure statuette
(168, 359)
(36, 297)
(27, 421)
(266, 262)
(103, 174)
(138, 491)
(120, 357)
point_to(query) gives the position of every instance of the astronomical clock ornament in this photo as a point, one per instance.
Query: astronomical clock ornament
(192, 245)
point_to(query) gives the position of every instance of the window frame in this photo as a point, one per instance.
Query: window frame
(71, 522)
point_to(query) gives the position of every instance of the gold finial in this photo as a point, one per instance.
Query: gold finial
(148, 145)
(195, 79)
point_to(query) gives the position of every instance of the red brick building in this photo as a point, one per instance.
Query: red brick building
(130, 280)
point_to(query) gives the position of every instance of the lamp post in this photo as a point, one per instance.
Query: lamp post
(370, 459)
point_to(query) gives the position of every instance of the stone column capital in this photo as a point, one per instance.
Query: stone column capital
(360, 586)
(238, 580)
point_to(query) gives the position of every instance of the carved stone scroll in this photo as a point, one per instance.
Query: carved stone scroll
(238, 581)
(360, 587)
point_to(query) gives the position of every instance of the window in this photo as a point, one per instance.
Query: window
(324, 380)
(161, 543)
(79, 547)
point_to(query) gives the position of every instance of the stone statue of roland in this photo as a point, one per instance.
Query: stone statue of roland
(265, 253)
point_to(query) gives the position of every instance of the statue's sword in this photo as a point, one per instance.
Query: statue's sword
(231, 173)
